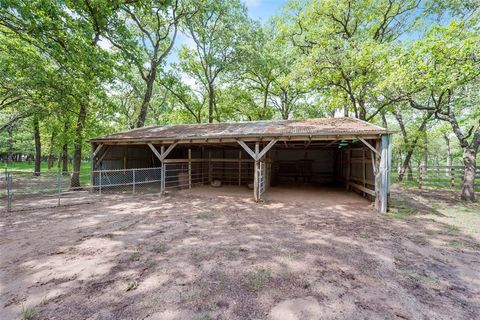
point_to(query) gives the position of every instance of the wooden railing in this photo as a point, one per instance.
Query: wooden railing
(439, 177)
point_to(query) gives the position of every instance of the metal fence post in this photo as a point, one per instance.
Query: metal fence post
(133, 179)
(100, 182)
(162, 178)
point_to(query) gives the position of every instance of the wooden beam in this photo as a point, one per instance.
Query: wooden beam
(164, 153)
(330, 143)
(369, 146)
(239, 168)
(102, 156)
(247, 149)
(155, 151)
(99, 147)
(307, 144)
(363, 189)
(265, 150)
(257, 155)
(169, 149)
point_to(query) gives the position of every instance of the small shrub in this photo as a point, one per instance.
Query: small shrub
(151, 263)
(306, 283)
(136, 255)
(258, 278)
(132, 285)
(160, 248)
(28, 313)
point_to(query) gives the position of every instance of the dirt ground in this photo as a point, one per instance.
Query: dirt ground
(215, 254)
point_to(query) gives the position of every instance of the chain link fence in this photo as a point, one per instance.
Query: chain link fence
(127, 180)
(23, 190)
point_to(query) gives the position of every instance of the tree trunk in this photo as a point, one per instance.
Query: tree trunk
(449, 154)
(147, 96)
(211, 102)
(405, 164)
(38, 146)
(468, 183)
(410, 172)
(50, 153)
(10, 145)
(65, 159)
(77, 149)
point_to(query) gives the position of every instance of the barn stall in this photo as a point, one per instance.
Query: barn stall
(331, 152)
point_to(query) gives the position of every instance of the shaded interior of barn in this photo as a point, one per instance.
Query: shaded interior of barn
(292, 164)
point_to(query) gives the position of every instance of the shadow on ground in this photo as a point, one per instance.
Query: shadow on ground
(198, 255)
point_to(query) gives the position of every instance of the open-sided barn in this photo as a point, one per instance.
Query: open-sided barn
(258, 154)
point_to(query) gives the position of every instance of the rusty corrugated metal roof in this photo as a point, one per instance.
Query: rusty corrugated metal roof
(275, 128)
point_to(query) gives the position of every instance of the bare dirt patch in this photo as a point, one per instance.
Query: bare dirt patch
(215, 254)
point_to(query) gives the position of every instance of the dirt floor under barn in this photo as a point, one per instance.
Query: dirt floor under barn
(215, 254)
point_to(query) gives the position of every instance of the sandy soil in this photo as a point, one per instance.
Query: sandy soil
(215, 254)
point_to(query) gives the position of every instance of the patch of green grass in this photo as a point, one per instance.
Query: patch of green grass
(400, 209)
(161, 247)
(431, 232)
(460, 218)
(258, 278)
(135, 256)
(29, 166)
(204, 315)
(456, 244)
(453, 229)
(276, 248)
(190, 295)
(151, 263)
(419, 239)
(220, 278)
(28, 313)
(420, 276)
(290, 255)
(205, 215)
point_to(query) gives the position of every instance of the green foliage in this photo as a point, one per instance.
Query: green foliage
(86, 69)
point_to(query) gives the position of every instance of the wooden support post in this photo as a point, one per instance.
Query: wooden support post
(164, 171)
(92, 169)
(239, 168)
(125, 158)
(257, 155)
(383, 164)
(255, 173)
(209, 167)
(378, 182)
(363, 170)
(349, 165)
(189, 168)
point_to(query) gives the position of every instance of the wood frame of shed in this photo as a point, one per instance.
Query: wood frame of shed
(254, 143)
